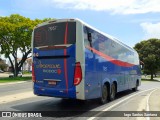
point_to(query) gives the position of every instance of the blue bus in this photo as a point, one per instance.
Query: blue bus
(73, 60)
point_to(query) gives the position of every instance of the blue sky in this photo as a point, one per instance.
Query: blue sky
(128, 20)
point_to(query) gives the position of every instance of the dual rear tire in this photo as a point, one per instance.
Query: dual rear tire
(106, 94)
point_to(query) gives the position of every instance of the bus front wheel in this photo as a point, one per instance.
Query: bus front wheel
(136, 88)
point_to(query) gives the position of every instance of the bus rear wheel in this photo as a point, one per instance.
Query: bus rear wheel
(113, 92)
(104, 96)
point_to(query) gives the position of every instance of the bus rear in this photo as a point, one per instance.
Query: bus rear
(55, 71)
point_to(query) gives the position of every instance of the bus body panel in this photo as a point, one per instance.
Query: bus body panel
(92, 78)
(53, 70)
(107, 72)
(80, 89)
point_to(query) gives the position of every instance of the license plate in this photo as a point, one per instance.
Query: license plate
(52, 82)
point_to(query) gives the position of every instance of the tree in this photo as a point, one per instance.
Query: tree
(15, 34)
(149, 53)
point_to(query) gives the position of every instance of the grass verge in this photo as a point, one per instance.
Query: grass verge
(150, 80)
(26, 72)
(14, 79)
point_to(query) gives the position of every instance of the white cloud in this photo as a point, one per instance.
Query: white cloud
(142, 20)
(151, 30)
(115, 6)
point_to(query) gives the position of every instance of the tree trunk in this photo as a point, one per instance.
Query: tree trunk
(16, 64)
(151, 76)
(16, 70)
(11, 63)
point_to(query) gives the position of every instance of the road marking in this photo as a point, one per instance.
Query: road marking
(148, 118)
(15, 97)
(110, 107)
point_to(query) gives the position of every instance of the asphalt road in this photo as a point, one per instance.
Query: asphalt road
(10, 89)
(19, 97)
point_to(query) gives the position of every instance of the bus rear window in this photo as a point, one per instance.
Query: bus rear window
(54, 34)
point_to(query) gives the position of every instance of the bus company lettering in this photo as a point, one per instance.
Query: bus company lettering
(58, 71)
(49, 68)
(40, 65)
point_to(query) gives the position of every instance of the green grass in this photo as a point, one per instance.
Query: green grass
(150, 80)
(14, 79)
(149, 76)
(26, 72)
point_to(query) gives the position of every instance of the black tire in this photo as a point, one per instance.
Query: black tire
(136, 88)
(104, 97)
(113, 92)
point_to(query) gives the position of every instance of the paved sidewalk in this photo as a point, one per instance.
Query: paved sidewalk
(4, 75)
(154, 101)
(157, 79)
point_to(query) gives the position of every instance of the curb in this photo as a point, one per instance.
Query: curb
(12, 83)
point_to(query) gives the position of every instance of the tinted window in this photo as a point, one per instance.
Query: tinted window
(99, 41)
(54, 34)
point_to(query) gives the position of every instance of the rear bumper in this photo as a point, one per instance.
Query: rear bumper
(53, 92)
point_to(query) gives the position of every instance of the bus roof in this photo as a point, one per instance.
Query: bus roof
(76, 19)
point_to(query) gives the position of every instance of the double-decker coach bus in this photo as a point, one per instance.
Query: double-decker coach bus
(73, 60)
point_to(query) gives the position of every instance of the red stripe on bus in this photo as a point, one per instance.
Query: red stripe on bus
(117, 62)
(65, 60)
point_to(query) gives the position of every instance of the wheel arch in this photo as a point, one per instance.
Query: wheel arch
(138, 82)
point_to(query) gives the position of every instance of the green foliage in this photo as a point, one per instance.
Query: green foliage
(15, 34)
(149, 53)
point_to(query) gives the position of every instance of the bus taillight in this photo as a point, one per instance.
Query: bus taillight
(33, 74)
(77, 74)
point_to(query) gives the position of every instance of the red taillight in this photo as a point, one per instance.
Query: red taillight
(33, 74)
(77, 74)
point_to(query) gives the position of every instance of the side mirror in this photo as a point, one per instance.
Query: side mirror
(141, 66)
(89, 37)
